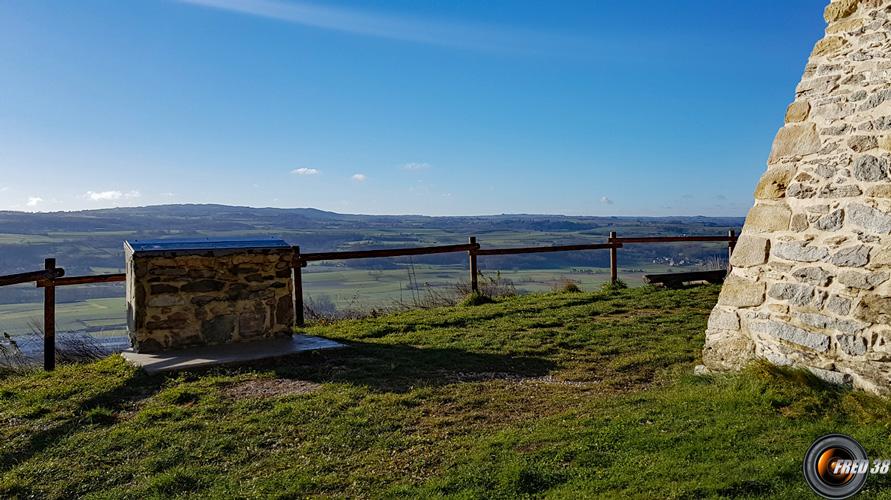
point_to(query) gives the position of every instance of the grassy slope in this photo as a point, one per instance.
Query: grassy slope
(565, 394)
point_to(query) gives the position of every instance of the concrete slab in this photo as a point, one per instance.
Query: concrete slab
(199, 357)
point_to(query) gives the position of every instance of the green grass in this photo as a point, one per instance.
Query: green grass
(563, 395)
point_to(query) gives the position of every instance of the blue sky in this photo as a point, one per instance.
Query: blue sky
(401, 106)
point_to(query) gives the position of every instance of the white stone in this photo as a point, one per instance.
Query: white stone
(789, 333)
(870, 219)
(854, 256)
(799, 251)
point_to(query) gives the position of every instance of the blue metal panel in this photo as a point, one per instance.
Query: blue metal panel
(208, 244)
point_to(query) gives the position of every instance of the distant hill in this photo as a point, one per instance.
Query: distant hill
(91, 241)
(198, 217)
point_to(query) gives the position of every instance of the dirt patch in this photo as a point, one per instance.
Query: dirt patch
(513, 377)
(270, 388)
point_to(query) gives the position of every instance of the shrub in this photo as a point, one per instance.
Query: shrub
(566, 285)
(612, 287)
(476, 299)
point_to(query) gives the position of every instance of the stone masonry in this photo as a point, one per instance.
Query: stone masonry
(181, 298)
(811, 279)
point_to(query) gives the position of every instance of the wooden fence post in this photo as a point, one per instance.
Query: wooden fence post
(474, 270)
(49, 318)
(299, 320)
(613, 259)
(731, 244)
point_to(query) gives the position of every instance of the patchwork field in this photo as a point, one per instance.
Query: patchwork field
(98, 317)
(568, 395)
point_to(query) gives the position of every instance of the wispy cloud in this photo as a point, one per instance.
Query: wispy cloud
(605, 200)
(416, 166)
(305, 171)
(3, 189)
(33, 201)
(409, 29)
(359, 177)
(110, 195)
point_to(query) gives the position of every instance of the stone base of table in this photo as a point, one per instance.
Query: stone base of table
(205, 356)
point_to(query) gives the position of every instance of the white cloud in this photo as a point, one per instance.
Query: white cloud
(3, 189)
(104, 195)
(605, 200)
(110, 195)
(33, 201)
(305, 171)
(359, 177)
(404, 28)
(415, 167)
(168, 194)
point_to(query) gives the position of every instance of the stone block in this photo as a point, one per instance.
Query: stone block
(881, 258)
(853, 256)
(794, 293)
(723, 319)
(741, 292)
(861, 279)
(764, 218)
(839, 9)
(797, 139)
(832, 376)
(218, 329)
(840, 191)
(784, 331)
(838, 305)
(750, 251)
(833, 221)
(862, 143)
(874, 308)
(870, 219)
(830, 46)
(869, 168)
(797, 111)
(724, 351)
(812, 275)
(852, 345)
(774, 182)
(879, 191)
(798, 251)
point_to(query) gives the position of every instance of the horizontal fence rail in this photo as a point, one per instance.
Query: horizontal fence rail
(674, 239)
(52, 277)
(556, 248)
(387, 252)
(17, 279)
(83, 280)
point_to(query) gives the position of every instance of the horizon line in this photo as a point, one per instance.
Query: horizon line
(502, 214)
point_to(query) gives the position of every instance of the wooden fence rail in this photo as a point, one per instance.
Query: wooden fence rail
(52, 277)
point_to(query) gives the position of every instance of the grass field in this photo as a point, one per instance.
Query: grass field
(571, 395)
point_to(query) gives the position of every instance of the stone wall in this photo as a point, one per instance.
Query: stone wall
(810, 281)
(179, 299)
